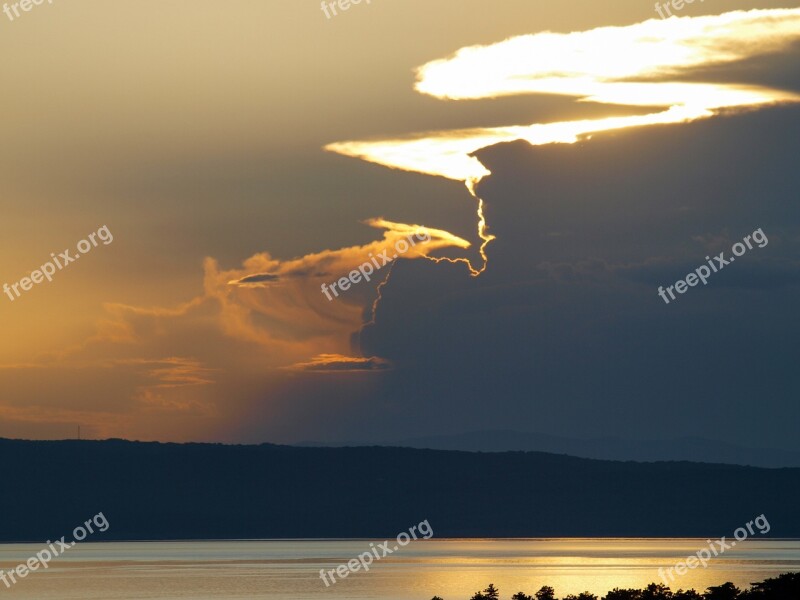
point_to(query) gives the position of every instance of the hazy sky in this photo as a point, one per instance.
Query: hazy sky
(196, 132)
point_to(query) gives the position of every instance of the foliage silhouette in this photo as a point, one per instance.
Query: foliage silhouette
(783, 587)
(490, 593)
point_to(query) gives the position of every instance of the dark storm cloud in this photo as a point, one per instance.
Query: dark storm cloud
(566, 332)
(750, 273)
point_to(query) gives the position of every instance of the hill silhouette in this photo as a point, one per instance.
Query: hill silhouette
(692, 449)
(212, 491)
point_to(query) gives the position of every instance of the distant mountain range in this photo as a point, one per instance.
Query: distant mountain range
(679, 449)
(153, 491)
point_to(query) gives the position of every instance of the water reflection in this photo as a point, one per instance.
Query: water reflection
(453, 569)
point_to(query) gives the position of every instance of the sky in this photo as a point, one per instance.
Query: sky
(554, 165)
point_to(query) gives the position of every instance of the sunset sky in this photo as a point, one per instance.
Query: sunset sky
(566, 159)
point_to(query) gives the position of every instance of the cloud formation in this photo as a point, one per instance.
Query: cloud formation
(636, 65)
(338, 364)
(261, 343)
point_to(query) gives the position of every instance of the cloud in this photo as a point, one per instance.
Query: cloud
(518, 344)
(255, 280)
(749, 272)
(179, 363)
(636, 65)
(292, 309)
(601, 65)
(174, 371)
(336, 363)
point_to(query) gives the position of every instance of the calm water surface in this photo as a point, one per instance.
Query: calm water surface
(453, 569)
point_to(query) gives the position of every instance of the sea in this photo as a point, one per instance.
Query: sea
(453, 569)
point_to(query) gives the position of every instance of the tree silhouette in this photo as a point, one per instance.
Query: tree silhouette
(656, 592)
(490, 593)
(726, 591)
(618, 594)
(687, 595)
(783, 587)
(546, 593)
